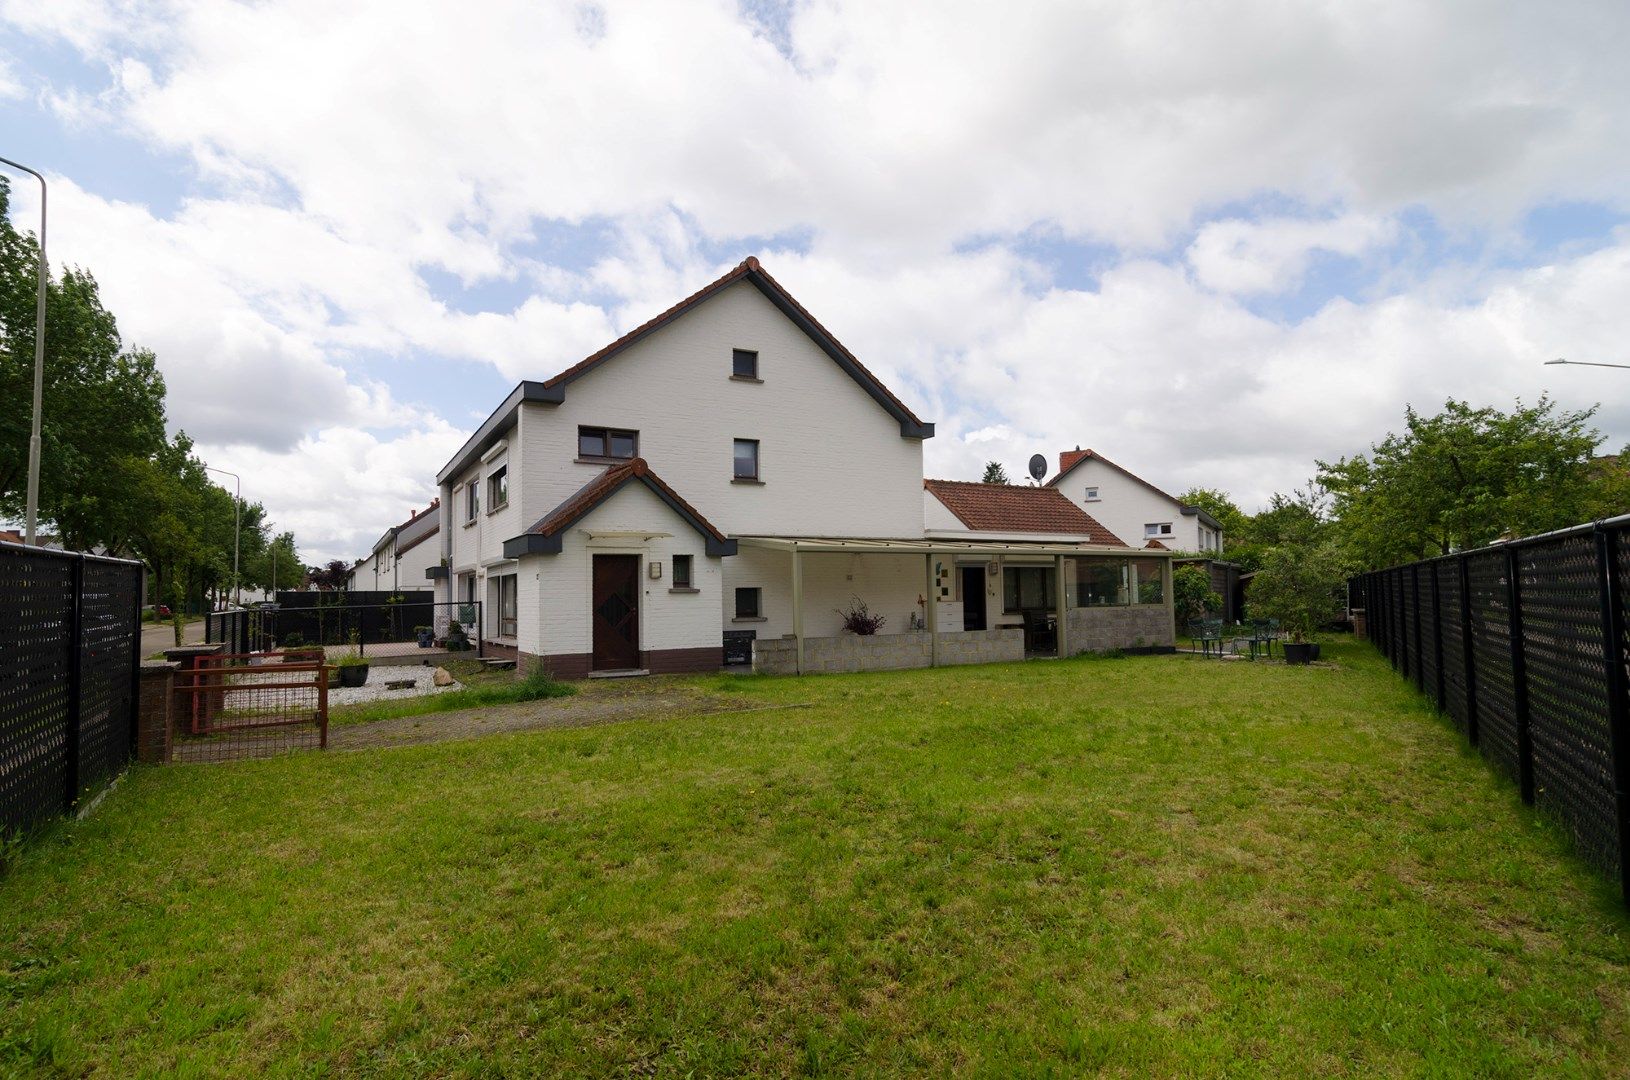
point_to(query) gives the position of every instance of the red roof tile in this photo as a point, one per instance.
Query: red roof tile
(1013, 508)
(1157, 544)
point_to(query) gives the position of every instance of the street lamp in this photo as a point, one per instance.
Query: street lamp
(237, 530)
(39, 365)
(1585, 363)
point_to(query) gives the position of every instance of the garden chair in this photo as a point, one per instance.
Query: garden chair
(1264, 632)
(1207, 633)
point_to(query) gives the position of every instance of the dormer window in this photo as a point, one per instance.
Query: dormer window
(607, 444)
(744, 363)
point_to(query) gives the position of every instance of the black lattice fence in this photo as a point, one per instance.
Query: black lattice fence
(70, 643)
(1524, 646)
(389, 627)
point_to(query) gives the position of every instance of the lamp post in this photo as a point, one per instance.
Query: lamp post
(237, 530)
(33, 510)
(1584, 363)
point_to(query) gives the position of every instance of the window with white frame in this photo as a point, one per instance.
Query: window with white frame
(1092, 494)
(1157, 529)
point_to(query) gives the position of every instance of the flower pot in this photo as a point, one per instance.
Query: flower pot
(1315, 645)
(1299, 653)
(353, 674)
(427, 638)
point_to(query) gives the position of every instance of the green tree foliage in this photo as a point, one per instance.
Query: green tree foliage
(104, 407)
(995, 473)
(1301, 585)
(1192, 594)
(1463, 478)
(1217, 503)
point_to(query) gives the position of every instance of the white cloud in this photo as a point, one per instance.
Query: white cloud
(345, 150)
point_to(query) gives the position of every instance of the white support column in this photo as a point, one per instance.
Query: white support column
(931, 614)
(798, 605)
(1059, 594)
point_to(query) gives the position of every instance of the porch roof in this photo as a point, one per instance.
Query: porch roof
(857, 545)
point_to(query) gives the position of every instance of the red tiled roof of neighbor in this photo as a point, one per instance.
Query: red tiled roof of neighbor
(749, 265)
(601, 488)
(1013, 508)
(10, 536)
(1156, 544)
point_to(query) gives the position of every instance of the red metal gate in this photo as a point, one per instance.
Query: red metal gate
(243, 705)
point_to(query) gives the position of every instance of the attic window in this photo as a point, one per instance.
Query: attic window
(1157, 529)
(744, 363)
(1092, 494)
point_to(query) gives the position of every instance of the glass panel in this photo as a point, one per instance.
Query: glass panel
(744, 362)
(746, 603)
(746, 459)
(681, 571)
(1100, 582)
(1027, 588)
(622, 444)
(591, 442)
(1150, 579)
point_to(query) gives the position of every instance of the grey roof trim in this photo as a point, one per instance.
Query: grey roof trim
(501, 420)
(435, 573)
(532, 543)
(1195, 511)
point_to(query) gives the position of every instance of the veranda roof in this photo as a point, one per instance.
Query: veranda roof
(857, 545)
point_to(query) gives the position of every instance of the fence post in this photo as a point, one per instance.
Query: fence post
(76, 656)
(1420, 647)
(1468, 653)
(1437, 638)
(136, 659)
(1618, 695)
(480, 629)
(1519, 679)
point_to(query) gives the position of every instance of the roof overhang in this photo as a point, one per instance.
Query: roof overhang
(501, 420)
(1195, 511)
(843, 545)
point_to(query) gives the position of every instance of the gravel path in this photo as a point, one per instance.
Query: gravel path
(424, 682)
(597, 702)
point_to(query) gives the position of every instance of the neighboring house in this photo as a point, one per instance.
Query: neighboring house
(1132, 507)
(716, 484)
(401, 557)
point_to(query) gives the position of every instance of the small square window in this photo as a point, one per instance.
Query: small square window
(747, 603)
(746, 459)
(744, 363)
(1092, 494)
(682, 572)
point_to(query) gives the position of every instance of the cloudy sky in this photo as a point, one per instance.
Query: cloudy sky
(1214, 241)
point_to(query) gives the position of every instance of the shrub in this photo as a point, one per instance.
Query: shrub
(1301, 586)
(1192, 593)
(859, 619)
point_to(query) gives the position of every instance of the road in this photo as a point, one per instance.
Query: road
(156, 637)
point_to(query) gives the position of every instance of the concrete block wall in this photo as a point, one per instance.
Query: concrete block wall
(1099, 629)
(886, 652)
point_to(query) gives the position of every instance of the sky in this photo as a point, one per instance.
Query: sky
(1213, 241)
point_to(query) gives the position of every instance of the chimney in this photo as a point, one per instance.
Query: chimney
(1068, 458)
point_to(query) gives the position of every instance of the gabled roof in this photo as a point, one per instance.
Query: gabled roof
(1157, 545)
(553, 389)
(546, 536)
(1012, 508)
(1070, 460)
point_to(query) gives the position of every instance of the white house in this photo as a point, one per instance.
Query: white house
(401, 558)
(1133, 508)
(723, 478)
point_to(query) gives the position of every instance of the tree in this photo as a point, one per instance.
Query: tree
(1192, 594)
(1301, 586)
(995, 473)
(1220, 506)
(1462, 479)
(104, 407)
(330, 576)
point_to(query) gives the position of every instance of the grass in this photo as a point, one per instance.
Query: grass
(1146, 866)
(479, 688)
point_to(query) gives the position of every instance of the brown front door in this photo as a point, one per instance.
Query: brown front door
(616, 612)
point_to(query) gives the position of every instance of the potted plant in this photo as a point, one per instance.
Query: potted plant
(352, 667)
(859, 619)
(1300, 585)
(457, 639)
(426, 636)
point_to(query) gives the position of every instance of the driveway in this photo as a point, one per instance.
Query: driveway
(156, 637)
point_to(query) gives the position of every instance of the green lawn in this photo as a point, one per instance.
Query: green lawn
(1155, 865)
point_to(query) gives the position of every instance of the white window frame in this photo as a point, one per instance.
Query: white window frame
(1092, 494)
(1157, 530)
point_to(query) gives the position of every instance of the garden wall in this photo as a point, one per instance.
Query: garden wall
(886, 652)
(1099, 629)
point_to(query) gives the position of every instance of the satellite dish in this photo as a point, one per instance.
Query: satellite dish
(1038, 467)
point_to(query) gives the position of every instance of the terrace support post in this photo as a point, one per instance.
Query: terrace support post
(931, 612)
(1468, 654)
(1437, 640)
(76, 656)
(798, 610)
(1519, 679)
(1618, 694)
(1061, 634)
